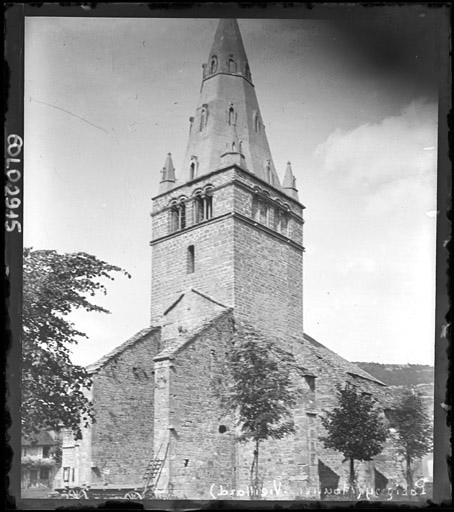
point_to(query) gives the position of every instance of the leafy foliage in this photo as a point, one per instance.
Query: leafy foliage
(413, 428)
(354, 427)
(258, 387)
(52, 387)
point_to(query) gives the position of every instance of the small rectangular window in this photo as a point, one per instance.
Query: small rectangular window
(66, 474)
(191, 259)
(46, 452)
(44, 474)
(310, 381)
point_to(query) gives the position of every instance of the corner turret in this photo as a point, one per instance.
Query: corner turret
(289, 182)
(167, 175)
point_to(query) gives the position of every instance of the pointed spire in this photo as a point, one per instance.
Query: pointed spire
(289, 183)
(227, 97)
(227, 54)
(167, 174)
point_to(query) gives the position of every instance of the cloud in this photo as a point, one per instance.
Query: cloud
(376, 206)
(397, 148)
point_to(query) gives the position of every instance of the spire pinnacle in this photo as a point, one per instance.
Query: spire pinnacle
(167, 174)
(289, 182)
(227, 53)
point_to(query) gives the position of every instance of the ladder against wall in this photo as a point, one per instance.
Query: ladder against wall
(153, 470)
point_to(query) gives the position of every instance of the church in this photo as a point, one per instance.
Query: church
(227, 248)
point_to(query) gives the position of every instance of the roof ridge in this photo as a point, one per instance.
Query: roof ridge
(360, 372)
(169, 352)
(205, 296)
(93, 367)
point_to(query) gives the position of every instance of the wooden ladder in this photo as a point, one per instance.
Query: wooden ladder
(153, 470)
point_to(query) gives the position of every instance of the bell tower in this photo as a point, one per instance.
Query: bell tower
(222, 223)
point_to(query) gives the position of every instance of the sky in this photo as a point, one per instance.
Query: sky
(353, 106)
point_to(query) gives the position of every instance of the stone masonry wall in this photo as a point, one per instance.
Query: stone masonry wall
(268, 282)
(123, 398)
(198, 453)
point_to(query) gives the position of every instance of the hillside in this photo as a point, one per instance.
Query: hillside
(400, 374)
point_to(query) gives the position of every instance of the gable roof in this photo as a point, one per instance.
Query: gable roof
(94, 367)
(323, 352)
(197, 292)
(175, 345)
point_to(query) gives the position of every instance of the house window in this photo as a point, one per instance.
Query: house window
(213, 64)
(46, 452)
(191, 260)
(44, 474)
(73, 472)
(232, 65)
(66, 474)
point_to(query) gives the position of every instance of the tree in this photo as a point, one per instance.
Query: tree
(413, 430)
(354, 428)
(258, 387)
(54, 285)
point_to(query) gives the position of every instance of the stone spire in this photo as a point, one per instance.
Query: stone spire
(227, 98)
(289, 183)
(167, 175)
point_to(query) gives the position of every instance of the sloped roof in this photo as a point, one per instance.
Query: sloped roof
(42, 438)
(174, 345)
(93, 367)
(325, 353)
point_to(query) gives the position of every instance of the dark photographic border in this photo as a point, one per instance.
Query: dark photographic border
(13, 175)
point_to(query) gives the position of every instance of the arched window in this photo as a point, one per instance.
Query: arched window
(208, 203)
(181, 216)
(240, 149)
(213, 64)
(203, 205)
(174, 215)
(233, 147)
(255, 207)
(231, 115)
(199, 209)
(256, 122)
(193, 164)
(190, 259)
(284, 223)
(203, 117)
(263, 212)
(232, 65)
